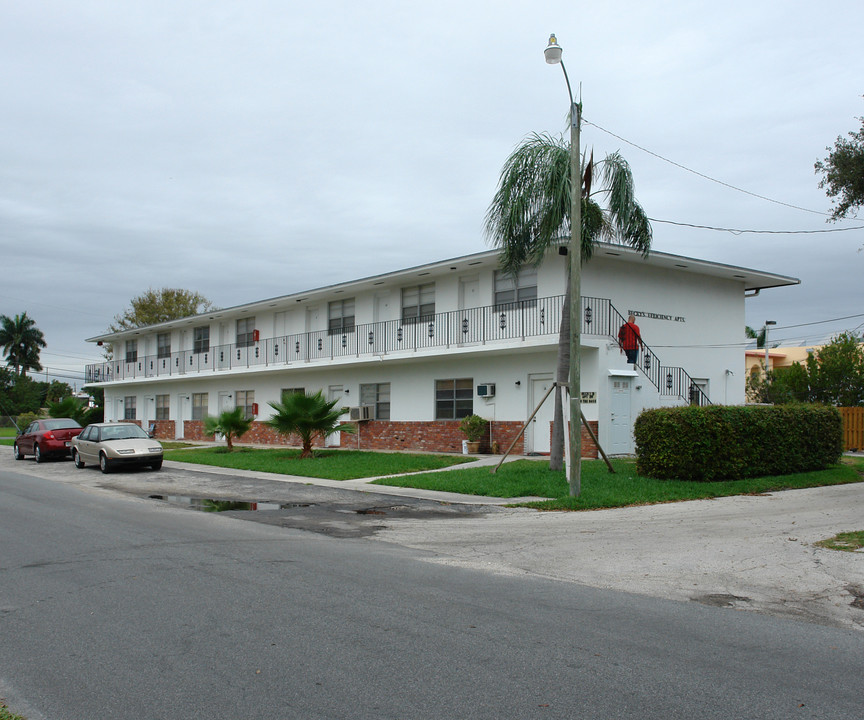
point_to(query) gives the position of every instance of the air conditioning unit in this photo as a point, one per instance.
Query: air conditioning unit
(487, 390)
(362, 412)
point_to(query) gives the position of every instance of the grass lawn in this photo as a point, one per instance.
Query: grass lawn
(7, 435)
(601, 489)
(330, 464)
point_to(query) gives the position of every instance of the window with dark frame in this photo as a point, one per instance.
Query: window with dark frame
(199, 406)
(519, 288)
(454, 399)
(291, 391)
(163, 345)
(245, 332)
(162, 402)
(377, 395)
(340, 316)
(246, 400)
(418, 303)
(131, 351)
(201, 339)
(129, 403)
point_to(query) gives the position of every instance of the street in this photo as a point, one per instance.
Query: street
(114, 606)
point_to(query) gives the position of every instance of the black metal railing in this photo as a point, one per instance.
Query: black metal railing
(457, 328)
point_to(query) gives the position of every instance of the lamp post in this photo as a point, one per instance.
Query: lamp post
(767, 323)
(574, 467)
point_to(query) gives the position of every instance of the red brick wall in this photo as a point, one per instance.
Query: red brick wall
(431, 436)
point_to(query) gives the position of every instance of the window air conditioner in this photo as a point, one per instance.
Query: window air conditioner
(487, 390)
(363, 412)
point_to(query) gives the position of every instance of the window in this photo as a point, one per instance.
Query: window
(246, 400)
(377, 395)
(163, 345)
(199, 405)
(341, 316)
(246, 332)
(418, 303)
(512, 289)
(454, 399)
(162, 407)
(291, 391)
(131, 351)
(201, 341)
(129, 407)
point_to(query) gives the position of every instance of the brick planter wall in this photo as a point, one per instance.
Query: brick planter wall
(428, 436)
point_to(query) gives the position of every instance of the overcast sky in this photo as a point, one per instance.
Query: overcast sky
(249, 150)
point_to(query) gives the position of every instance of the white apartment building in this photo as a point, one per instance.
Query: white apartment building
(408, 353)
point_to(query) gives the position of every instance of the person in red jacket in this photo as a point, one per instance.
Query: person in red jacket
(630, 340)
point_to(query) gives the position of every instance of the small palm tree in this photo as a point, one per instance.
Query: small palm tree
(231, 423)
(70, 407)
(307, 416)
(21, 341)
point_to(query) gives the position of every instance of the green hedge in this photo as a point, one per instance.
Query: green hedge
(733, 442)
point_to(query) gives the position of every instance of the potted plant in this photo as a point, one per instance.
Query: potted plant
(474, 427)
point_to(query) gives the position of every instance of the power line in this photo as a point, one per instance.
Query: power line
(735, 231)
(703, 175)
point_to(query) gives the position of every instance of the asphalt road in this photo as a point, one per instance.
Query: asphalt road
(113, 606)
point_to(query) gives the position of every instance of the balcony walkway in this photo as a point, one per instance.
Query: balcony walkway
(491, 324)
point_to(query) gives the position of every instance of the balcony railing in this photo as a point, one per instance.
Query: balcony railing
(458, 328)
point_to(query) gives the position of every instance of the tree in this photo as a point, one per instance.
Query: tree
(70, 407)
(231, 423)
(843, 173)
(759, 337)
(21, 341)
(531, 212)
(833, 374)
(307, 416)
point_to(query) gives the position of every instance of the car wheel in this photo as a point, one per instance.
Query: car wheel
(104, 464)
(156, 465)
(76, 458)
(16, 452)
(38, 454)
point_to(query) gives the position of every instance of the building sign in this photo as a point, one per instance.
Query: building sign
(589, 397)
(657, 316)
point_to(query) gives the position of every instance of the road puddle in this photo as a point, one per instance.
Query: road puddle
(215, 505)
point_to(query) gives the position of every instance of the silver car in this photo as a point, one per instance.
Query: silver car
(114, 445)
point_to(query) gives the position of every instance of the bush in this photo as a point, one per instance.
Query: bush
(474, 427)
(24, 419)
(731, 443)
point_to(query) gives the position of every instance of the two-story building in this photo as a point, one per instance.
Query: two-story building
(409, 353)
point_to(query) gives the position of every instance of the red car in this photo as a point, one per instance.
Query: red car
(44, 438)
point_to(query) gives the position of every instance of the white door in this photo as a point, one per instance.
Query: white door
(538, 432)
(335, 392)
(620, 427)
(121, 411)
(469, 292)
(382, 307)
(226, 401)
(184, 413)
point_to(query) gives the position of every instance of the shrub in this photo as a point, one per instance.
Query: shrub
(474, 427)
(734, 442)
(24, 419)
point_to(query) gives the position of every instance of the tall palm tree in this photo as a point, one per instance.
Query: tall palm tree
(531, 212)
(307, 416)
(21, 341)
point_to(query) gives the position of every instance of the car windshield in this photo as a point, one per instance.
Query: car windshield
(123, 432)
(61, 424)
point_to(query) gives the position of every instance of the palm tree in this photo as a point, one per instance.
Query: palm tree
(231, 423)
(21, 341)
(307, 416)
(531, 212)
(759, 337)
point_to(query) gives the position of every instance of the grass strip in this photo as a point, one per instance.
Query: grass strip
(7, 714)
(329, 464)
(848, 541)
(601, 489)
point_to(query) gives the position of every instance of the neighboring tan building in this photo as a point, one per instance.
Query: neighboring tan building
(415, 350)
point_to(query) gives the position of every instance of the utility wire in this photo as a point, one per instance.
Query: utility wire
(735, 231)
(703, 175)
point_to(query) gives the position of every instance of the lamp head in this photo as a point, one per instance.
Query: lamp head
(553, 51)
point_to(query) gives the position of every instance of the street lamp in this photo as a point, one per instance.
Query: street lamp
(767, 323)
(574, 466)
